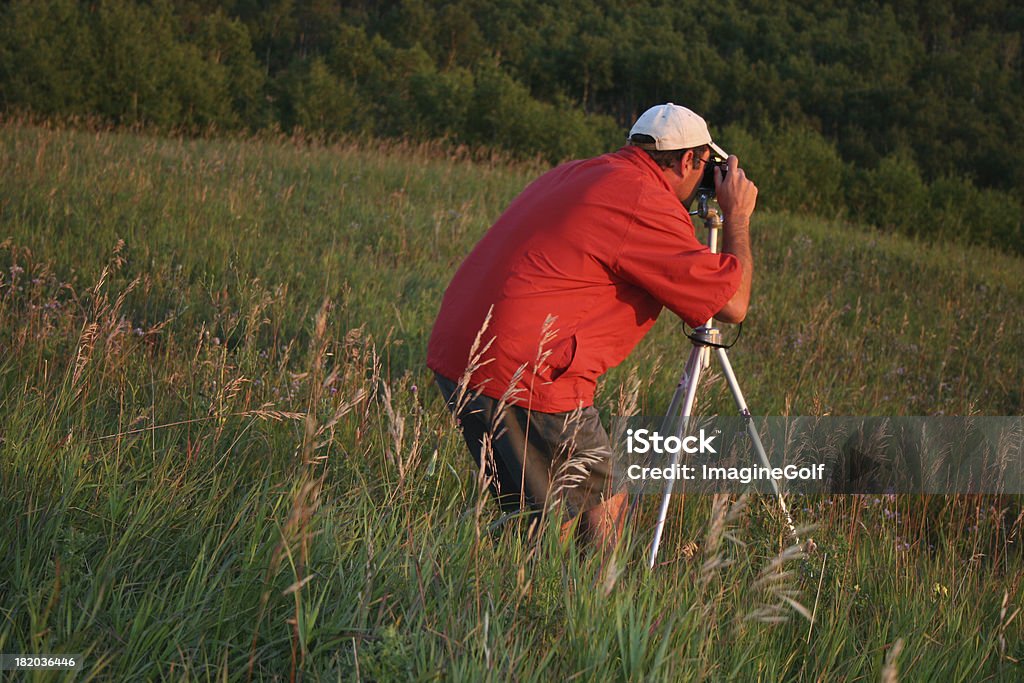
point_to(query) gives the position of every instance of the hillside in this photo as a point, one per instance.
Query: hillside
(220, 450)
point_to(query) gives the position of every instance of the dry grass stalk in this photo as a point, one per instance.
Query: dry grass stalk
(891, 671)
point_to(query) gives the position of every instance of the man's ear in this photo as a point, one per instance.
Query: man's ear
(687, 161)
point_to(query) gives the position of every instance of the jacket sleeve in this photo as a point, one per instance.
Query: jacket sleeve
(661, 255)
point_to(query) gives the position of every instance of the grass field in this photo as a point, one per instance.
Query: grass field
(222, 456)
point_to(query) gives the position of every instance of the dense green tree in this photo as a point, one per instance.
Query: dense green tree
(320, 100)
(893, 195)
(224, 42)
(442, 102)
(47, 58)
(147, 73)
(137, 58)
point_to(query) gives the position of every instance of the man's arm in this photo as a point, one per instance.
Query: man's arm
(737, 196)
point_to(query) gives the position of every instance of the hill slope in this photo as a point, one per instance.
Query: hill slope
(207, 469)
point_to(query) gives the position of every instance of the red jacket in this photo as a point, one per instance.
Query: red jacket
(596, 248)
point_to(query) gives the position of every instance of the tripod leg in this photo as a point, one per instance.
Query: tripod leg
(741, 405)
(668, 422)
(687, 388)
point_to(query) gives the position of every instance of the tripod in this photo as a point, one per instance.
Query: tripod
(704, 340)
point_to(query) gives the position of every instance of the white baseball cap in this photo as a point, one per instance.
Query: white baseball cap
(673, 127)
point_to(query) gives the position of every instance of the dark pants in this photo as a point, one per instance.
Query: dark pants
(535, 460)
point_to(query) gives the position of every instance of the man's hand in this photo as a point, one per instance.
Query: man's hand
(737, 195)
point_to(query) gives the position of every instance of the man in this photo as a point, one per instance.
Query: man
(562, 287)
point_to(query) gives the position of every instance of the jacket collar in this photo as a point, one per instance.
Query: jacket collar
(643, 160)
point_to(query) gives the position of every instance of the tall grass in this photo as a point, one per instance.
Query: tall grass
(221, 456)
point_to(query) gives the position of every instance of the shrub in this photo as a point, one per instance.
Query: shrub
(795, 168)
(320, 101)
(893, 195)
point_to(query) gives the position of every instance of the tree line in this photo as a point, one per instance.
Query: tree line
(903, 114)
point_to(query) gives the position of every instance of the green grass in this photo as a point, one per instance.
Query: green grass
(221, 455)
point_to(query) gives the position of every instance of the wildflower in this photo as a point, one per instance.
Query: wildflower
(940, 591)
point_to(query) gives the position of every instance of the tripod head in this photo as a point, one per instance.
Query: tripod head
(712, 219)
(709, 334)
(703, 197)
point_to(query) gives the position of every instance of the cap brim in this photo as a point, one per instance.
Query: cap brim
(718, 150)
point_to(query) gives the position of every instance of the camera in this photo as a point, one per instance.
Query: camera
(706, 187)
(707, 182)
